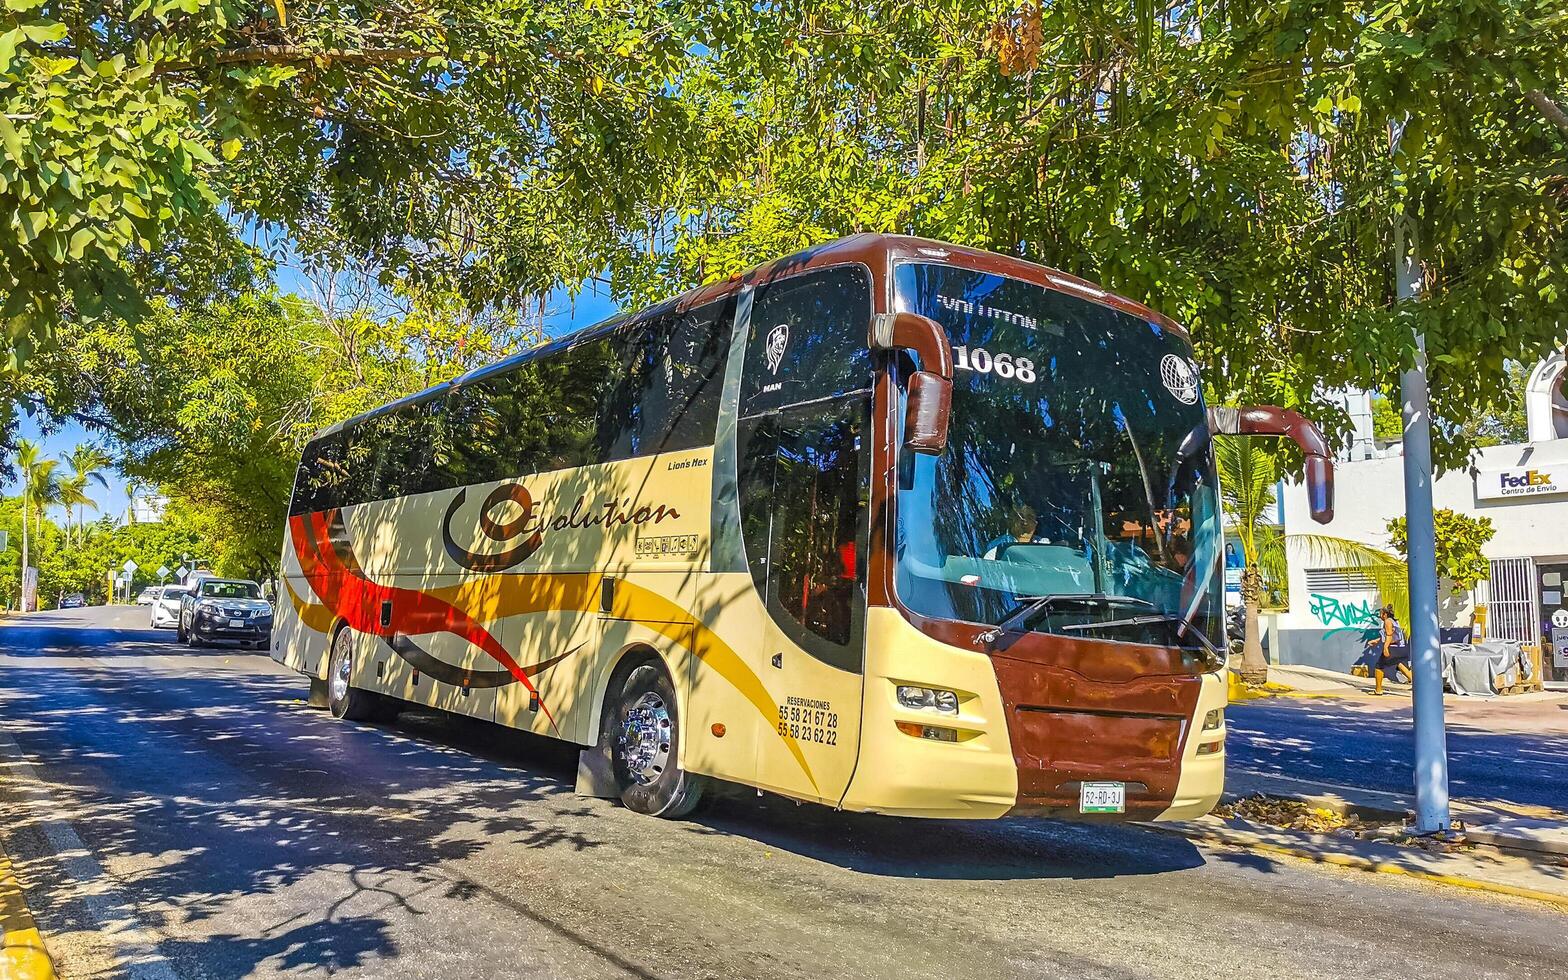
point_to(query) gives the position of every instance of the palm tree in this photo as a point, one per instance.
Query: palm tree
(1249, 474)
(86, 461)
(40, 487)
(73, 494)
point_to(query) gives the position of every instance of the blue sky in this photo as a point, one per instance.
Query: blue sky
(568, 314)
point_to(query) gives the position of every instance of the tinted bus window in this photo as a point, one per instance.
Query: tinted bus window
(808, 339)
(403, 452)
(667, 397)
(322, 473)
(541, 415)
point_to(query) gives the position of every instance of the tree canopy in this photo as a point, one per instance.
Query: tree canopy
(481, 149)
(1240, 166)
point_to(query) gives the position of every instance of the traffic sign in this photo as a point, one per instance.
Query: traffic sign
(181, 572)
(129, 566)
(163, 571)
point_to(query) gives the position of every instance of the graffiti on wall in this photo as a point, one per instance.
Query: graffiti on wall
(1340, 614)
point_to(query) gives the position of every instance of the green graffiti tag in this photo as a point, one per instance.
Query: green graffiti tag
(1343, 615)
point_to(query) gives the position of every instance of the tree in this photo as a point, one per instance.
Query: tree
(481, 149)
(214, 405)
(87, 463)
(1387, 423)
(1248, 474)
(1460, 540)
(40, 487)
(1229, 164)
(73, 495)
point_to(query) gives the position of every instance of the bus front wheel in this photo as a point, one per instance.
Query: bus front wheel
(343, 699)
(644, 736)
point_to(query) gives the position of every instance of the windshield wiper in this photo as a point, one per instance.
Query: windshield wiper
(1182, 626)
(1034, 603)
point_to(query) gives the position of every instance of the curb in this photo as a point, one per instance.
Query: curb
(1356, 863)
(22, 952)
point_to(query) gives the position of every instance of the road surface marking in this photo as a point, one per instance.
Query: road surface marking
(111, 912)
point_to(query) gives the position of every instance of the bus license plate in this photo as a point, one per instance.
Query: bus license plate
(1102, 798)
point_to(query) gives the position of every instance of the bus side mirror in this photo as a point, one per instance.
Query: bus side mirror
(930, 397)
(925, 416)
(1285, 423)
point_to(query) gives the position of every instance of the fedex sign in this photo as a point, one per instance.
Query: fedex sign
(1496, 484)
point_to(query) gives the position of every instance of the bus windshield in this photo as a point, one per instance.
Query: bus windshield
(1076, 495)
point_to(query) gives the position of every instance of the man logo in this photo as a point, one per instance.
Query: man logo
(1180, 378)
(778, 342)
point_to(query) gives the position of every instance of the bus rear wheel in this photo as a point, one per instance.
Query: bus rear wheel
(644, 735)
(343, 699)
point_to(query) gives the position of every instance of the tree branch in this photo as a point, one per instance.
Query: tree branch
(1551, 110)
(288, 54)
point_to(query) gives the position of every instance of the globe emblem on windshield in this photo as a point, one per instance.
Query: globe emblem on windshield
(778, 341)
(1180, 378)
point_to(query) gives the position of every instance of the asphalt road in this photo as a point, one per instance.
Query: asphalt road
(181, 813)
(1368, 743)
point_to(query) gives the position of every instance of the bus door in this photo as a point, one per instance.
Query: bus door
(804, 474)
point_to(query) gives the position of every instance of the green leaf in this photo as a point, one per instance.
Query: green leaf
(12, 140)
(8, 42)
(80, 239)
(44, 32)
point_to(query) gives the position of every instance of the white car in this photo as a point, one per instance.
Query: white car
(149, 595)
(166, 608)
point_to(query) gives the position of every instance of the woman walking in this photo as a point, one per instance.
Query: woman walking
(1395, 653)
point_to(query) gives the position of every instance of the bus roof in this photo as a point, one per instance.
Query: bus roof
(879, 252)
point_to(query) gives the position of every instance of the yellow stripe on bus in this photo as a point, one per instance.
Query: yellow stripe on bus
(312, 614)
(652, 610)
(521, 595)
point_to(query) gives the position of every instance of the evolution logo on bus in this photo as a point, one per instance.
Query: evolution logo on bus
(524, 531)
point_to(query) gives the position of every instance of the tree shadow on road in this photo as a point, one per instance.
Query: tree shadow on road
(343, 829)
(1371, 746)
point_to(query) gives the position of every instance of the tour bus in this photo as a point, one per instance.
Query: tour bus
(889, 525)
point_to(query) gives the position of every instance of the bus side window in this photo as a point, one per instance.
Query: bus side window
(808, 339)
(403, 452)
(667, 399)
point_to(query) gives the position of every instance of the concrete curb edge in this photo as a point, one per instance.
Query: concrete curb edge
(22, 952)
(1356, 863)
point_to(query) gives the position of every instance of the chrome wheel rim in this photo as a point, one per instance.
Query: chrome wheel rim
(644, 738)
(340, 669)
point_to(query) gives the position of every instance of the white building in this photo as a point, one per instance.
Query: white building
(146, 508)
(1522, 488)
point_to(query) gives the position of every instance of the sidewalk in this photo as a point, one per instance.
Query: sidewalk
(1523, 850)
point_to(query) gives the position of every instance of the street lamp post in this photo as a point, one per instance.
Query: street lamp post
(1426, 662)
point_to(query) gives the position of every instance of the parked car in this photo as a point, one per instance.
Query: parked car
(225, 609)
(73, 601)
(149, 595)
(166, 608)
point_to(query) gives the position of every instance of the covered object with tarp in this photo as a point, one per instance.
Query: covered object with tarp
(1485, 669)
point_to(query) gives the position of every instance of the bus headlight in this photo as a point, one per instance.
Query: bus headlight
(1214, 719)
(930, 699)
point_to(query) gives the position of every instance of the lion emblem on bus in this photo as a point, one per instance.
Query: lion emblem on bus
(778, 343)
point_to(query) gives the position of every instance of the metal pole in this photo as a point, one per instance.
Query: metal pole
(1431, 749)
